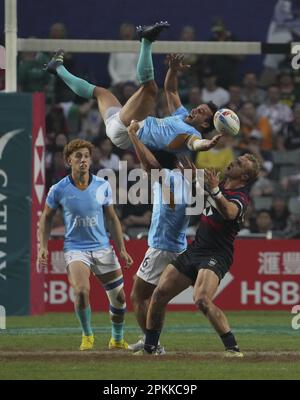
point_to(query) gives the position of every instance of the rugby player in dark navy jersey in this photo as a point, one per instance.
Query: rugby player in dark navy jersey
(209, 257)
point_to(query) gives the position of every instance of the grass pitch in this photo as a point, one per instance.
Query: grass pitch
(46, 347)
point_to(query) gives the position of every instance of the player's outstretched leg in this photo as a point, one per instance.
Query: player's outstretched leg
(204, 290)
(81, 87)
(142, 103)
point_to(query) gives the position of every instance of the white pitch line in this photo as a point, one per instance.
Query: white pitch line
(114, 353)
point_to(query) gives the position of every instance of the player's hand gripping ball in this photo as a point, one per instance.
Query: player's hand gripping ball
(227, 122)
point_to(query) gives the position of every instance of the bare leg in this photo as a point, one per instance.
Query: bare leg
(205, 287)
(79, 278)
(170, 284)
(140, 297)
(105, 100)
(141, 104)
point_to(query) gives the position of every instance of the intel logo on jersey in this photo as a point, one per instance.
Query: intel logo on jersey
(86, 222)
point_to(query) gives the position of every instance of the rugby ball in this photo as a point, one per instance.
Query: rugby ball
(226, 121)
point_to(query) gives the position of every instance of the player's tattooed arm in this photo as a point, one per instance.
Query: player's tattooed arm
(228, 209)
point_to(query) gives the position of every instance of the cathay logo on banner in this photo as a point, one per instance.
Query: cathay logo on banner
(4, 140)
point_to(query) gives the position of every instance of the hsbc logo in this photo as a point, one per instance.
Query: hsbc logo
(39, 166)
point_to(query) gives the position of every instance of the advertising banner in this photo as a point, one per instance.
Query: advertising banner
(22, 179)
(15, 201)
(265, 275)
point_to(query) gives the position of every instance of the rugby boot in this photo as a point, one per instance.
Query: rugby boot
(155, 352)
(139, 345)
(56, 61)
(233, 352)
(117, 345)
(151, 32)
(87, 342)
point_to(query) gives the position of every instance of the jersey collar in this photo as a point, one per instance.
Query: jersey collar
(72, 180)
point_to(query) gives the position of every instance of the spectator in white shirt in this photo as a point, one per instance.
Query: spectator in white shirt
(211, 91)
(277, 113)
(122, 66)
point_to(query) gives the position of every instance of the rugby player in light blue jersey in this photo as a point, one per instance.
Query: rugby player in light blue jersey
(167, 234)
(181, 131)
(85, 199)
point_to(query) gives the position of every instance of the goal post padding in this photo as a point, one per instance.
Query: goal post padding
(22, 193)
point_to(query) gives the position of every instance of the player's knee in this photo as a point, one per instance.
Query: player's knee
(160, 295)
(82, 294)
(99, 92)
(121, 297)
(81, 291)
(116, 296)
(151, 88)
(202, 301)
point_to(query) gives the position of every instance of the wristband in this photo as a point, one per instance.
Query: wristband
(218, 195)
(215, 190)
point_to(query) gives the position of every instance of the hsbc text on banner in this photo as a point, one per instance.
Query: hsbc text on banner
(265, 275)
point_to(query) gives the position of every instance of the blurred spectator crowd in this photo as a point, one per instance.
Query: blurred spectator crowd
(268, 107)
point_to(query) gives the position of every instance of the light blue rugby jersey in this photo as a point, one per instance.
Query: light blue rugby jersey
(83, 212)
(158, 133)
(168, 225)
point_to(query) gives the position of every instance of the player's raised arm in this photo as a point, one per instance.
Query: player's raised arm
(195, 144)
(117, 234)
(171, 80)
(228, 209)
(44, 232)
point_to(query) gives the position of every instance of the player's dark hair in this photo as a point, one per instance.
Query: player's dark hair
(75, 145)
(212, 106)
(165, 159)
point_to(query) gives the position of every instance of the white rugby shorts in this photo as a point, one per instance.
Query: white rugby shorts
(100, 261)
(116, 130)
(154, 263)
